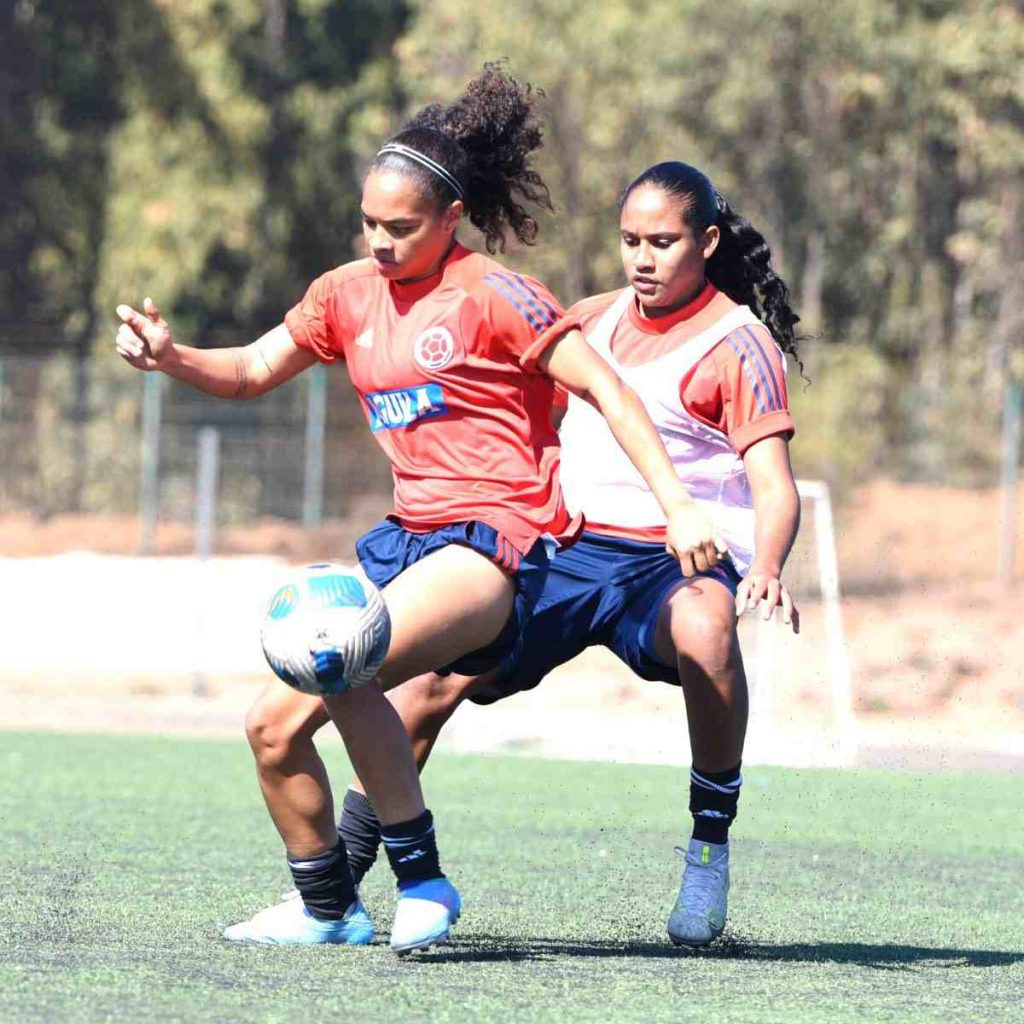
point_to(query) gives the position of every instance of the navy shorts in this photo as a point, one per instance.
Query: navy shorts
(602, 591)
(388, 549)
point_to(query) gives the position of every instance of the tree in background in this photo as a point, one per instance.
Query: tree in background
(209, 151)
(882, 145)
(203, 151)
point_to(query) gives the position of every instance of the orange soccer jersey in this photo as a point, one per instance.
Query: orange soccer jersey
(447, 372)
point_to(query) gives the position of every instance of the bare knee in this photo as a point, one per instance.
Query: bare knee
(276, 733)
(705, 639)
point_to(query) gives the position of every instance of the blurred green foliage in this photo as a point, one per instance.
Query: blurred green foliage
(208, 152)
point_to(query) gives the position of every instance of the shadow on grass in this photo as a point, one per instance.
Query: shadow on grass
(890, 957)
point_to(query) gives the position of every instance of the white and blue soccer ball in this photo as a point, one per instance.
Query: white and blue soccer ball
(326, 629)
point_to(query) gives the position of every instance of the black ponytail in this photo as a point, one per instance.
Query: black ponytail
(483, 141)
(741, 265)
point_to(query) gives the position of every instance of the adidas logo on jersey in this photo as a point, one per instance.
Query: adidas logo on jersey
(365, 340)
(404, 406)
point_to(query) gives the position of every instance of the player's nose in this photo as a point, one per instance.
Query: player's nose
(643, 257)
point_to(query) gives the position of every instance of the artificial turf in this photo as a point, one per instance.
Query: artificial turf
(857, 896)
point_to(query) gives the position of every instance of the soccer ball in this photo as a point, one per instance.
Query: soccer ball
(326, 629)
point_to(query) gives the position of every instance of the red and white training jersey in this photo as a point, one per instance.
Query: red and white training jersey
(447, 372)
(712, 380)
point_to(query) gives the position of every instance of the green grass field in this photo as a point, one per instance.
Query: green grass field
(857, 896)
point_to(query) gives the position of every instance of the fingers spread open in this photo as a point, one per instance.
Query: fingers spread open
(771, 598)
(756, 592)
(790, 613)
(742, 592)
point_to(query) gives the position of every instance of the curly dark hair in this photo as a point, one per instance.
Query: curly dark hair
(483, 140)
(741, 266)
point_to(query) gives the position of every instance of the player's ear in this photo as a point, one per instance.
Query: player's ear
(453, 214)
(709, 242)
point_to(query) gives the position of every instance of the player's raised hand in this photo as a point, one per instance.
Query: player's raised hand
(766, 590)
(143, 339)
(691, 537)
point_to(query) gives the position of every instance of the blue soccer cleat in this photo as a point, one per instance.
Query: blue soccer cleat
(289, 923)
(424, 915)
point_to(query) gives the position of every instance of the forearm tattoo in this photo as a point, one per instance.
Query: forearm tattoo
(241, 376)
(263, 356)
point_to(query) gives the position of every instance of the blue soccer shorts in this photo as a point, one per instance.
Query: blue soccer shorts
(388, 549)
(601, 591)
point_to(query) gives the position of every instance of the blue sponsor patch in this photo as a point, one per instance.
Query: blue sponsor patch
(404, 406)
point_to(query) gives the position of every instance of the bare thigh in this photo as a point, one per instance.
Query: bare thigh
(442, 607)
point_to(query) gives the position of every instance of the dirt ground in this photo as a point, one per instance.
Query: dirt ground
(935, 643)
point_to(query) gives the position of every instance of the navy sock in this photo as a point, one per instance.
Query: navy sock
(324, 883)
(713, 803)
(412, 849)
(359, 830)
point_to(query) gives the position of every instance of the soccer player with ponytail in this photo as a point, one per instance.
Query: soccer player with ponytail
(455, 360)
(699, 334)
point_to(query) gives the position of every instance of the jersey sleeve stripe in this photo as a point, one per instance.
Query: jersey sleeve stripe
(548, 308)
(529, 317)
(751, 352)
(515, 282)
(764, 365)
(749, 371)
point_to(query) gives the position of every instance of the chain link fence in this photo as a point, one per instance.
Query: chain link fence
(118, 442)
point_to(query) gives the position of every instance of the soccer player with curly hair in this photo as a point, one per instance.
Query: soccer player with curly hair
(455, 360)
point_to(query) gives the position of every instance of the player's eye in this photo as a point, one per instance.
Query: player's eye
(630, 240)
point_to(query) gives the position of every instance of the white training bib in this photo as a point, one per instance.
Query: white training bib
(600, 481)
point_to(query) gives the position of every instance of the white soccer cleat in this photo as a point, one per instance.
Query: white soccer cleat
(699, 914)
(424, 914)
(289, 923)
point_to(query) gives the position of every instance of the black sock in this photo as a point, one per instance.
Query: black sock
(713, 800)
(359, 830)
(412, 849)
(324, 883)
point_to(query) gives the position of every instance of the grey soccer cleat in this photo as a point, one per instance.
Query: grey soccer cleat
(699, 914)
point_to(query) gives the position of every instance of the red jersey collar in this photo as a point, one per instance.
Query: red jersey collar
(664, 324)
(416, 290)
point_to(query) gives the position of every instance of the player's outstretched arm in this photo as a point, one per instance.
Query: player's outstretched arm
(144, 340)
(691, 537)
(777, 518)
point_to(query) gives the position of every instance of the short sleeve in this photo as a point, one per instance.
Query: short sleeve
(741, 388)
(308, 321)
(523, 317)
